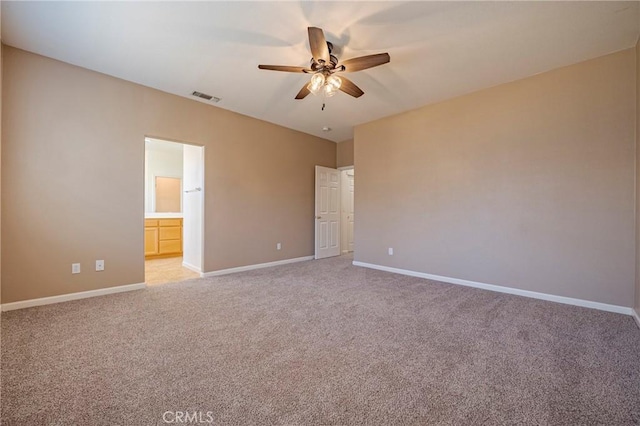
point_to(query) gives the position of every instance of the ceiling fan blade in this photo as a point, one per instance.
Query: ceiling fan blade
(303, 92)
(284, 68)
(364, 62)
(350, 88)
(318, 44)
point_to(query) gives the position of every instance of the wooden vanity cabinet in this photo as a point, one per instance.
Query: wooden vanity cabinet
(162, 238)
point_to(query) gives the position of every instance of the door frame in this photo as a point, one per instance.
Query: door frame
(197, 268)
(343, 227)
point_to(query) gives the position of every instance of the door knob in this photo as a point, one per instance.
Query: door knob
(318, 217)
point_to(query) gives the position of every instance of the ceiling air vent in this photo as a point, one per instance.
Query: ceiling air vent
(205, 96)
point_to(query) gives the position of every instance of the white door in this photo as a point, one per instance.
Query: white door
(327, 212)
(193, 206)
(348, 214)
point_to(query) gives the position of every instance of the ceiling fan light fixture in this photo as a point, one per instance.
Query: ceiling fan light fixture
(316, 84)
(332, 85)
(329, 90)
(334, 82)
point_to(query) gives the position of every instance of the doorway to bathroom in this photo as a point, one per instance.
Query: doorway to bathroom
(174, 211)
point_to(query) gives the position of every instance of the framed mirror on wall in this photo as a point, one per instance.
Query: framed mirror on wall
(168, 194)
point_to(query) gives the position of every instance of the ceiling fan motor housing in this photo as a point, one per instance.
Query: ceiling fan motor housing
(322, 66)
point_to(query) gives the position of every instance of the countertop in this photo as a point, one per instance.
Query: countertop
(152, 215)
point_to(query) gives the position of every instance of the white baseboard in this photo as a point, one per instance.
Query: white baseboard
(257, 266)
(192, 268)
(71, 296)
(636, 316)
(526, 293)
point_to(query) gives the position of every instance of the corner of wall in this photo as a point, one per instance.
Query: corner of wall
(1, 53)
(637, 194)
(344, 153)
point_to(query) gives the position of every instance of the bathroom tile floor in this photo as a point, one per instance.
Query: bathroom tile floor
(168, 270)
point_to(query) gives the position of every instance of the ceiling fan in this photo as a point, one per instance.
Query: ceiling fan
(324, 65)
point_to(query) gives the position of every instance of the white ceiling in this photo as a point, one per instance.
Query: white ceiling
(438, 50)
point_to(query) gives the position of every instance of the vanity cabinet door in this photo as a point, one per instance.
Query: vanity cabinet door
(151, 241)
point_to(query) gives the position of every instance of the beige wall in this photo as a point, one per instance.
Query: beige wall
(637, 304)
(527, 185)
(1, 84)
(73, 178)
(344, 155)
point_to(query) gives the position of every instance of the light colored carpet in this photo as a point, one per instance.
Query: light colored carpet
(319, 342)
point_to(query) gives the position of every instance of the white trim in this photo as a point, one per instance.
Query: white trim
(192, 268)
(71, 296)
(636, 316)
(526, 293)
(257, 266)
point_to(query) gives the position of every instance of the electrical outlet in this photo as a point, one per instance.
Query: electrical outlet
(278, 246)
(99, 265)
(390, 251)
(75, 268)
